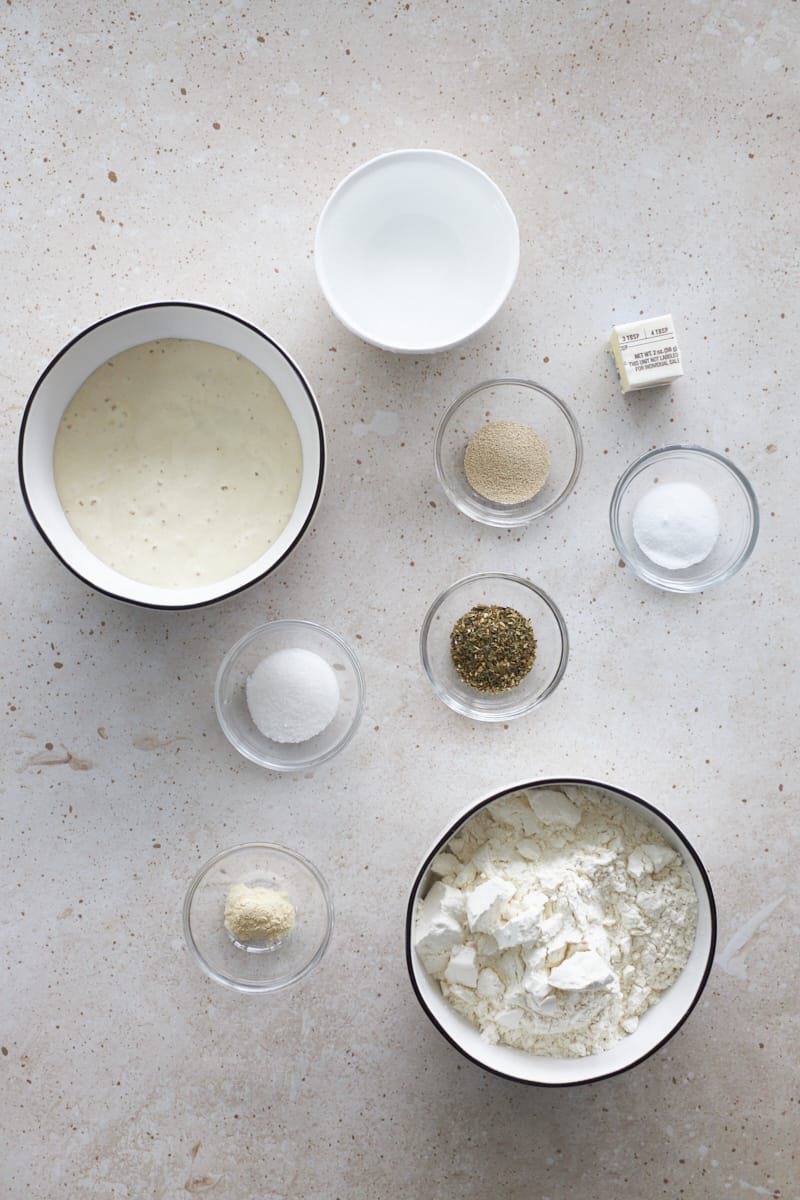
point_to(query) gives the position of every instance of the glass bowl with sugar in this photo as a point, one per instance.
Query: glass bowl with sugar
(289, 695)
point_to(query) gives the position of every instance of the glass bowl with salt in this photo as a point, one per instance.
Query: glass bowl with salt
(258, 917)
(684, 518)
(289, 695)
(508, 451)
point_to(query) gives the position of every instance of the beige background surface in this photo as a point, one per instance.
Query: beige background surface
(184, 151)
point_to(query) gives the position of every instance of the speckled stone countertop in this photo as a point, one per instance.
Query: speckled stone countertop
(184, 151)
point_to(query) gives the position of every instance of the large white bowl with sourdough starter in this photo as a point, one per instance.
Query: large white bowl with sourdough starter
(96, 345)
(416, 250)
(655, 1027)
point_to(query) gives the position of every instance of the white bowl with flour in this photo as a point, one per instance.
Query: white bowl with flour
(171, 455)
(593, 867)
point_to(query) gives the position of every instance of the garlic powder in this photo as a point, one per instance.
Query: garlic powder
(258, 914)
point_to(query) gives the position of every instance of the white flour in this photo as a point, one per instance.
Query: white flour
(557, 919)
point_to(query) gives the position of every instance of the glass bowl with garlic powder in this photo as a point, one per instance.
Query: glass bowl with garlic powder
(258, 917)
(508, 451)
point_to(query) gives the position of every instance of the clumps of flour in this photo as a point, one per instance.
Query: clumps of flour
(556, 919)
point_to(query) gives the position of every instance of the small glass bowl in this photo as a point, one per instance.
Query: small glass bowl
(550, 631)
(727, 487)
(230, 698)
(508, 400)
(259, 968)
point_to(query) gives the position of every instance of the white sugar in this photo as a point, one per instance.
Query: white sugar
(292, 695)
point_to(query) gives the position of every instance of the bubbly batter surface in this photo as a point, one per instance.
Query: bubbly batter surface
(178, 463)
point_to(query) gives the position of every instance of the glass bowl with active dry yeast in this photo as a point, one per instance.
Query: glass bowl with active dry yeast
(494, 646)
(508, 451)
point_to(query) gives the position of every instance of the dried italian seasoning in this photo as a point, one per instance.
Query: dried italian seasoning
(492, 647)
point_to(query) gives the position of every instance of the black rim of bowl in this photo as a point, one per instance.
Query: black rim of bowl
(114, 317)
(553, 782)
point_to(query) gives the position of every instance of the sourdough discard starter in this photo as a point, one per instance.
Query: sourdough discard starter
(557, 919)
(178, 463)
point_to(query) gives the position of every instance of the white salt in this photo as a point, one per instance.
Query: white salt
(292, 695)
(676, 525)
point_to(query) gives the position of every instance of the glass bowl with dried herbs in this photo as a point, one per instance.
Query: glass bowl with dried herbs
(494, 646)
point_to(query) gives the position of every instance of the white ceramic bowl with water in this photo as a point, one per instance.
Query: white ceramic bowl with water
(416, 250)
